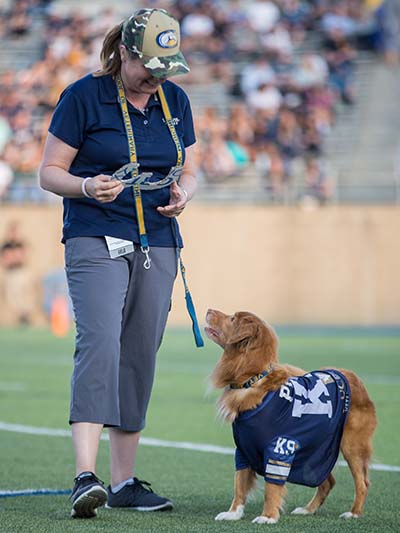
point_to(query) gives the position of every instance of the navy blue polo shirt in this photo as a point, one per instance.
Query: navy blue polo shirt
(294, 434)
(88, 117)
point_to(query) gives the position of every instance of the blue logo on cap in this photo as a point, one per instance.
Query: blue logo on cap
(167, 39)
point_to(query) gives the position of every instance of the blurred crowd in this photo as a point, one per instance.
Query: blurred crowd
(284, 65)
(17, 288)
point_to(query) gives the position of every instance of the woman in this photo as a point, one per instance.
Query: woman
(117, 144)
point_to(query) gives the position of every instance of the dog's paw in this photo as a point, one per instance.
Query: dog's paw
(231, 515)
(349, 515)
(301, 510)
(264, 520)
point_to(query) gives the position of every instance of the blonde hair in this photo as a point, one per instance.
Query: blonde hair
(109, 56)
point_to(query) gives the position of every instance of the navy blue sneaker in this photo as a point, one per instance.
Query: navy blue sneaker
(138, 496)
(87, 495)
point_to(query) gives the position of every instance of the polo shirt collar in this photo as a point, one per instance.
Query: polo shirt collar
(108, 93)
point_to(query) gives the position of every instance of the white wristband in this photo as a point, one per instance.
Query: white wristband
(83, 187)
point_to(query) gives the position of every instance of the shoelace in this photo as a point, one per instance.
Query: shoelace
(140, 482)
(77, 479)
(92, 476)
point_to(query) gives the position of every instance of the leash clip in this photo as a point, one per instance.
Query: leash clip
(145, 251)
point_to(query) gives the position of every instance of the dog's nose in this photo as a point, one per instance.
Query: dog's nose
(210, 312)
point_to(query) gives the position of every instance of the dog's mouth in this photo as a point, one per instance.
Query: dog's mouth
(211, 333)
(214, 335)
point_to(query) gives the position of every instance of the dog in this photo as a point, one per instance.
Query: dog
(261, 396)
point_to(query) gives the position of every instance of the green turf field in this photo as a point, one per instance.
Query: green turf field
(34, 389)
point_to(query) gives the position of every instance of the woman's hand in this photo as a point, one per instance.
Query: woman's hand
(103, 189)
(177, 202)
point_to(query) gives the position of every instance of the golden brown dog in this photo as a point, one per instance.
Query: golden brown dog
(250, 349)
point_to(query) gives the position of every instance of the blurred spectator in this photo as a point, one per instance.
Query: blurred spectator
(341, 61)
(18, 291)
(241, 128)
(209, 123)
(312, 136)
(6, 178)
(5, 132)
(197, 24)
(319, 186)
(285, 132)
(262, 15)
(385, 13)
(277, 41)
(266, 99)
(311, 70)
(279, 95)
(271, 168)
(372, 24)
(297, 16)
(19, 20)
(219, 162)
(337, 22)
(256, 73)
(320, 100)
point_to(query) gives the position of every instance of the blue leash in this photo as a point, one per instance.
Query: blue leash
(188, 297)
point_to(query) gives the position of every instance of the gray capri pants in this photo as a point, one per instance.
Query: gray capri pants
(121, 311)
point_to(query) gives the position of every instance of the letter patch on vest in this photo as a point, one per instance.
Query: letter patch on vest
(280, 455)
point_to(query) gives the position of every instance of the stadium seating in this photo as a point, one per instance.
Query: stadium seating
(351, 156)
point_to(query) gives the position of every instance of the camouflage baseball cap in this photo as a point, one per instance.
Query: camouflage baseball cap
(154, 36)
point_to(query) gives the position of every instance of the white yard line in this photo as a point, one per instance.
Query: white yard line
(147, 441)
(33, 492)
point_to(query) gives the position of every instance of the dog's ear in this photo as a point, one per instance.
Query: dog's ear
(245, 331)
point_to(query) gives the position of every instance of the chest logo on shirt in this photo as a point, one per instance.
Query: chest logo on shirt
(174, 121)
(167, 39)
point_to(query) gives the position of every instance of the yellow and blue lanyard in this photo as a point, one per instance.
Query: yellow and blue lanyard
(144, 244)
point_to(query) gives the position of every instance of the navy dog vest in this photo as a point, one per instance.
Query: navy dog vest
(294, 434)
